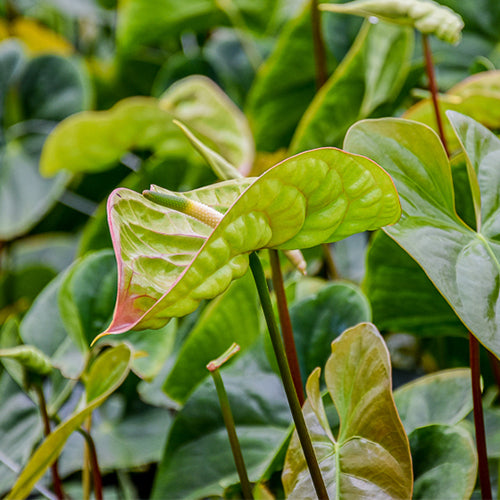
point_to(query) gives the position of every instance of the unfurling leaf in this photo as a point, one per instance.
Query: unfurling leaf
(427, 16)
(169, 261)
(370, 457)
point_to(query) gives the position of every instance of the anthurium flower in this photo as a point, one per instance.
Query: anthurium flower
(172, 257)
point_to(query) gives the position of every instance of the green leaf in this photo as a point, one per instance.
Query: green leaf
(20, 429)
(201, 105)
(34, 360)
(197, 461)
(462, 263)
(86, 297)
(444, 462)
(25, 197)
(43, 328)
(232, 317)
(425, 15)
(52, 88)
(358, 377)
(221, 167)
(106, 374)
(122, 439)
(371, 74)
(402, 297)
(476, 96)
(168, 261)
(93, 141)
(420, 403)
(322, 317)
(280, 94)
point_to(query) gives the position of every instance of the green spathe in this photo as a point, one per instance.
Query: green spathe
(169, 261)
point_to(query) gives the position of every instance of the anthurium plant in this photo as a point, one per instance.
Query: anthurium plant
(249, 250)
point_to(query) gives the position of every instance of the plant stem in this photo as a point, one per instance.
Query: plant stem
(92, 457)
(286, 325)
(431, 76)
(484, 475)
(329, 262)
(56, 480)
(286, 376)
(319, 46)
(231, 430)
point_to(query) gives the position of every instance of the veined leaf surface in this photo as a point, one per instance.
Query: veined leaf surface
(168, 261)
(370, 458)
(462, 263)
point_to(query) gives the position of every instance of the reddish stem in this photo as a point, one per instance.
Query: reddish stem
(56, 480)
(319, 46)
(484, 474)
(286, 325)
(429, 65)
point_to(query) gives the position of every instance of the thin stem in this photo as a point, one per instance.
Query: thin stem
(484, 475)
(231, 432)
(92, 458)
(286, 325)
(56, 480)
(319, 46)
(431, 76)
(286, 376)
(330, 263)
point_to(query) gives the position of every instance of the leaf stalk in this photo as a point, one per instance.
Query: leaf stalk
(227, 415)
(484, 474)
(286, 377)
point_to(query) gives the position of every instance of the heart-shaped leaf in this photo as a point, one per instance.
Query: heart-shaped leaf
(168, 261)
(105, 376)
(462, 263)
(419, 402)
(317, 320)
(358, 377)
(445, 462)
(425, 15)
(95, 140)
(371, 74)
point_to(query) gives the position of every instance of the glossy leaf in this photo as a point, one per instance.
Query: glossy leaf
(462, 263)
(232, 317)
(95, 140)
(20, 428)
(42, 327)
(476, 96)
(371, 74)
(425, 15)
(168, 262)
(444, 461)
(322, 317)
(402, 297)
(105, 376)
(358, 377)
(197, 461)
(420, 403)
(280, 94)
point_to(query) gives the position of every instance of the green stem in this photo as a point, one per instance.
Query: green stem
(92, 455)
(56, 480)
(286, 376)
(231, 432)
(484, 474)
(431, 76)
(286, 325)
